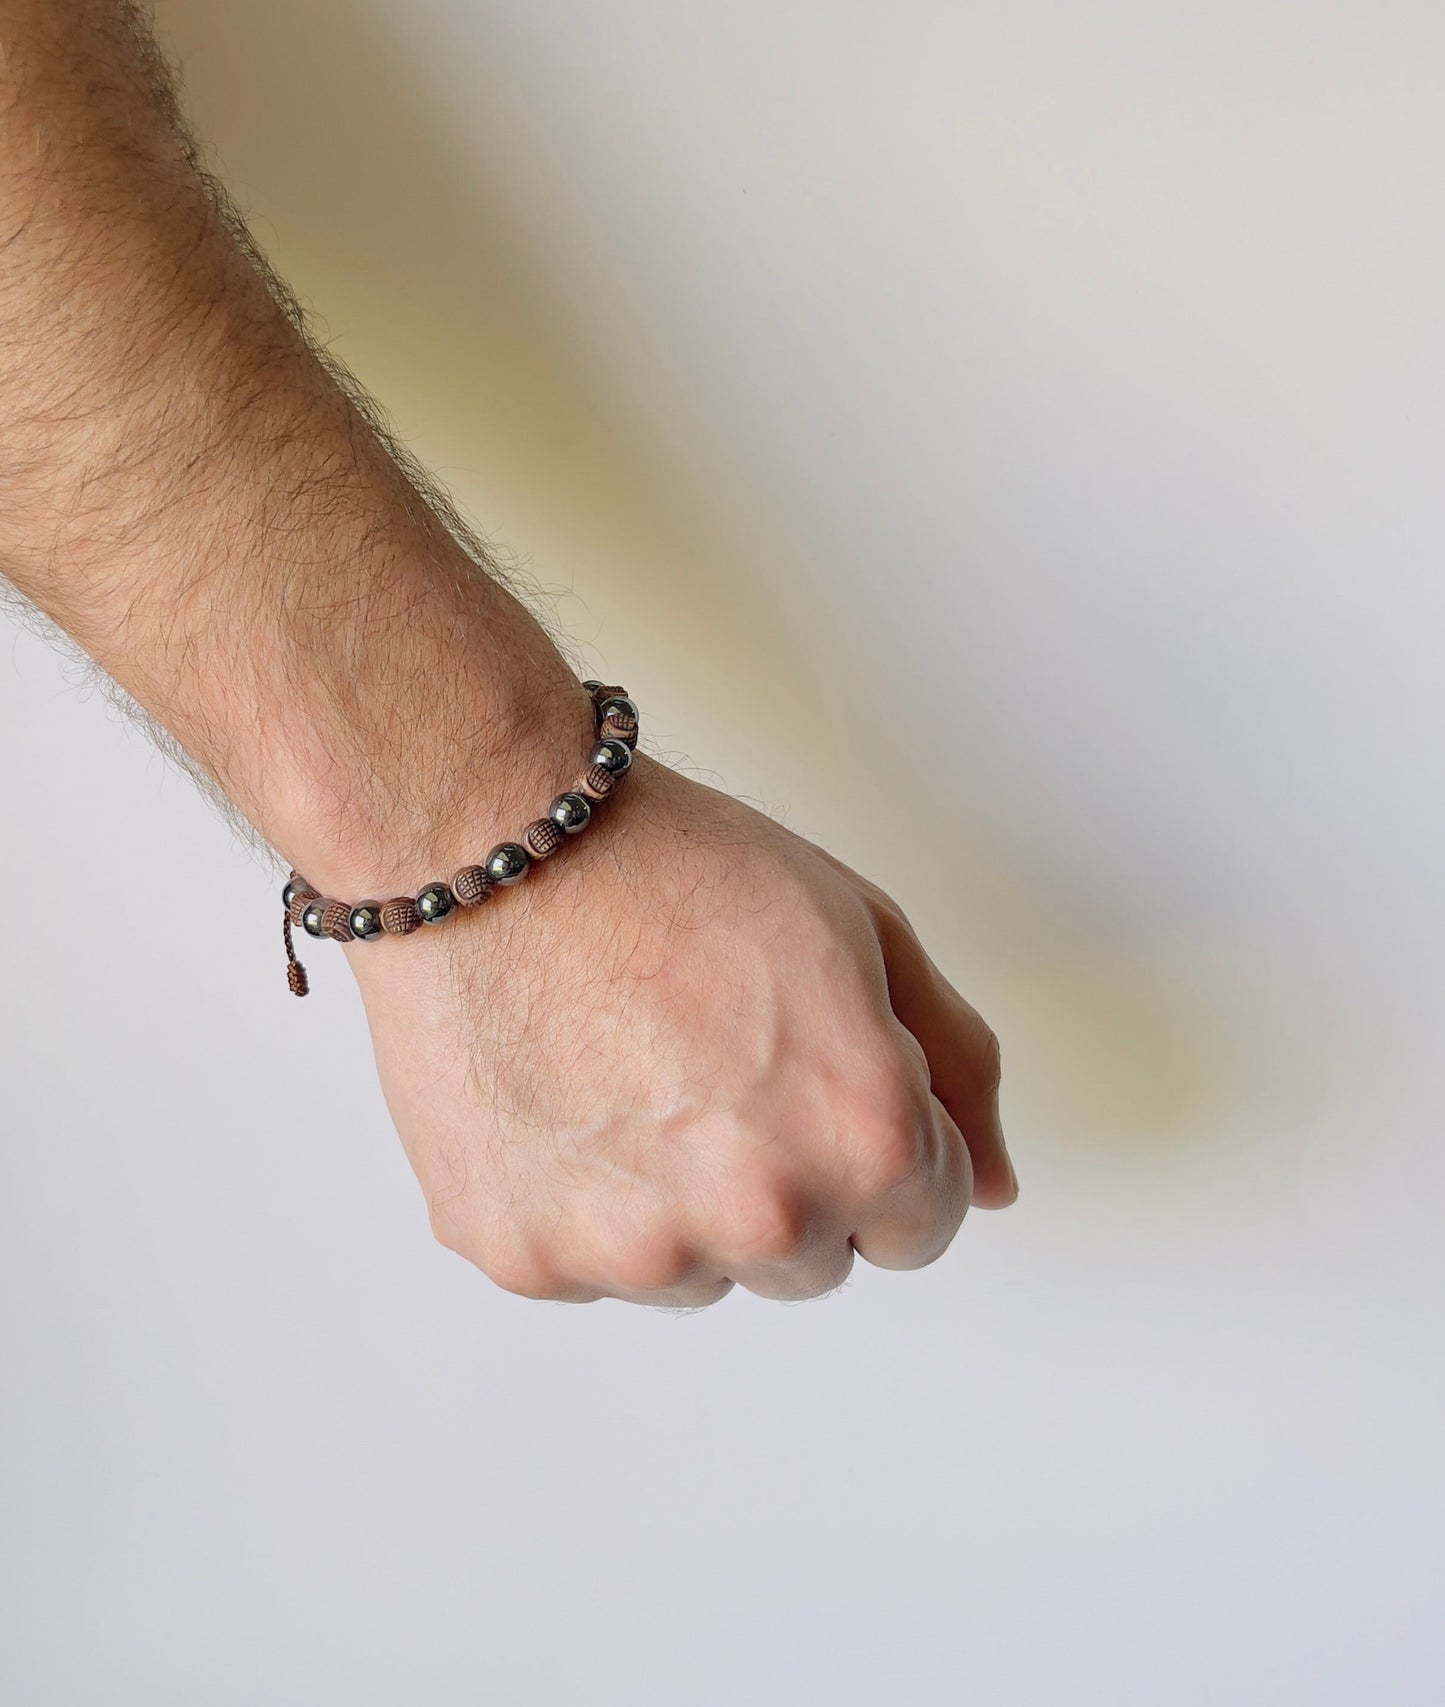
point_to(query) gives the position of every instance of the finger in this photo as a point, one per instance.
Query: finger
(640, 1261)
(770, 1237)
(962, 1052)
(913, 1224)
(811, 1276)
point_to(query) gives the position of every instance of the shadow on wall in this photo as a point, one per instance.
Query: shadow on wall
(327, 133)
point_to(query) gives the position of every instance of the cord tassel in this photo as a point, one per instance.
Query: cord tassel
(295, 972)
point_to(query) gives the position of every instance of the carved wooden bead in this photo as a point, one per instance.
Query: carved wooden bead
(336, 921)
(399, 917)
(597, 783)
(472, 886)
(616, 727)
(300, 901)
(542, 837)
(600, 693)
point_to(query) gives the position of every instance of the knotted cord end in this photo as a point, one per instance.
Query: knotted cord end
(296, 977)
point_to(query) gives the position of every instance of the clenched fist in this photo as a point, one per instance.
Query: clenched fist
(695, 1051)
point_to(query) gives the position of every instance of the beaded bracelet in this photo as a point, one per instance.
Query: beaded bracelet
(509, 862)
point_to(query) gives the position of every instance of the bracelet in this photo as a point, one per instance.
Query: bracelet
(509, 862)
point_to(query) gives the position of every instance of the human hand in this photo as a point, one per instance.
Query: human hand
(695, 1050)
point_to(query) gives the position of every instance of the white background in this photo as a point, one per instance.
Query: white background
(1005, 441)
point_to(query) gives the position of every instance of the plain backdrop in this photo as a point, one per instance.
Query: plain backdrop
(1005, 441)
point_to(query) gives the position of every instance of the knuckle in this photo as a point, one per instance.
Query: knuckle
(765, 1224)
(891, 1152)
(448, 1231)
(656, 1264)
(524, 1272)
(890, 1119)
(881, 901)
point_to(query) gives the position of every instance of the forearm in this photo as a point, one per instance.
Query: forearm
(186, 490)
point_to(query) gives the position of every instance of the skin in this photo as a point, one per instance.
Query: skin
(694, 1050)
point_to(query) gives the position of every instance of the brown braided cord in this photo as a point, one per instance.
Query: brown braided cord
(295, 971)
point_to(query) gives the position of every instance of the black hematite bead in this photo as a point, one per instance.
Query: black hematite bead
(592, 687)
(434, 903)
(311, 919)
(621, 705)
(295, 886)
(508, 862)
(365, 921)
(570, 812)
(614, 756)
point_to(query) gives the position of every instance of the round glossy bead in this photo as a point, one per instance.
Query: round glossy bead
(365, 921)
(597, 783)
(313, 917)
(472, 885)
(508, 862)
(618, 705)
(399, 917)
(434, 903)
(612, 755)
(542, 837)
(570, 813)
(592, 687)
(296, 889)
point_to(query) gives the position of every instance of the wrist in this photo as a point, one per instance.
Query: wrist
(426, 776)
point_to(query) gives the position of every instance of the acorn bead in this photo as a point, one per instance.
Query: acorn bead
(570, 812)
(365, 921)
(542, 837)
(472, 885)
(399, 917)
(435, 903)
(508, 862)
(596, 783)
(612, 755)
(312, 916)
